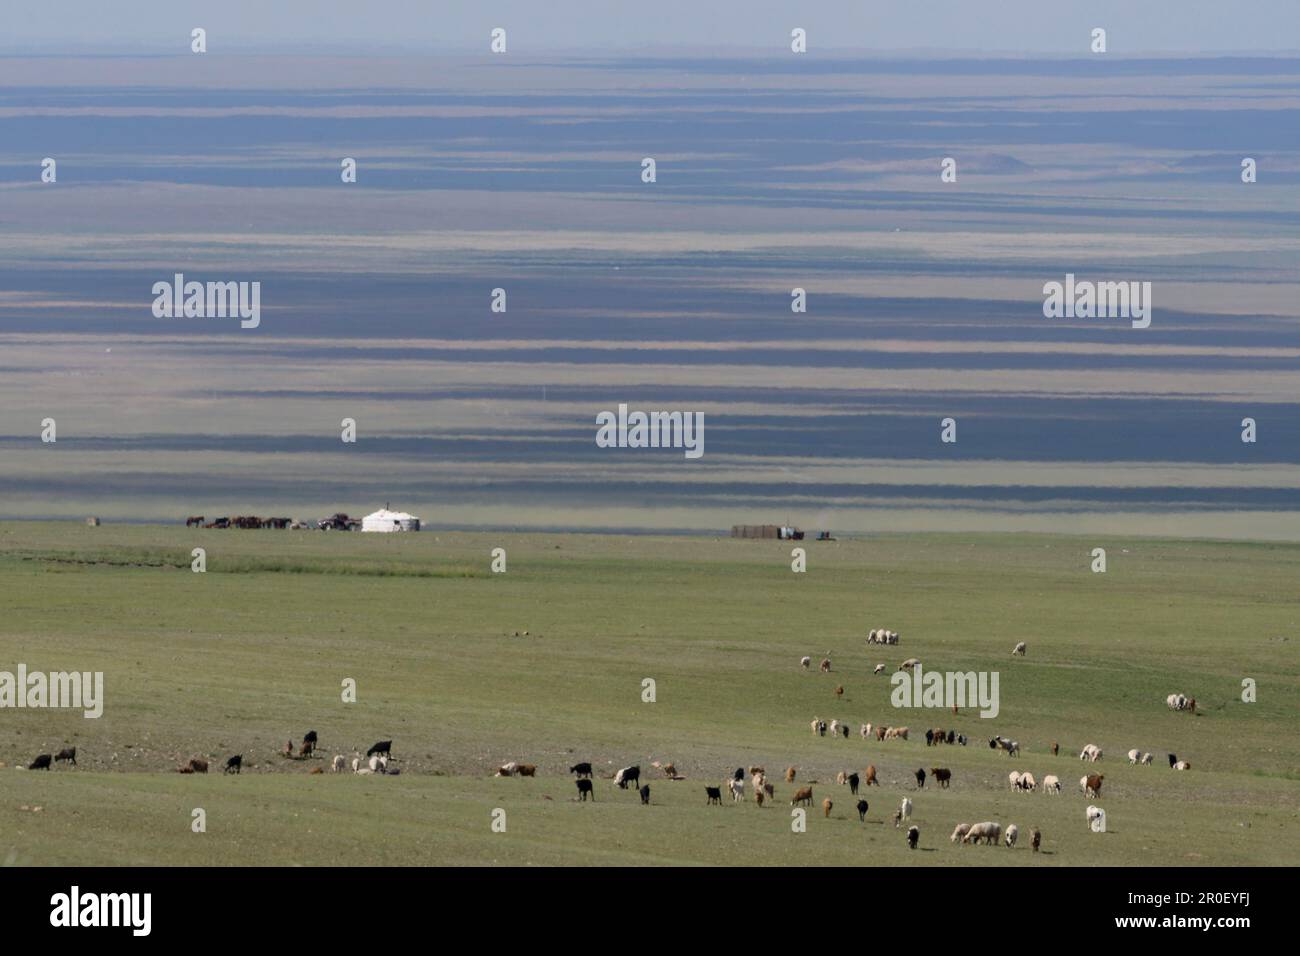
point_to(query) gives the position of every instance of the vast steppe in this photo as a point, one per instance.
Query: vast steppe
(466, 669)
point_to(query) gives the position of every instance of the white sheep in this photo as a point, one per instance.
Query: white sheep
(816, 722)
(338, 763)
(835, 728)
(1051, 784)
(379, 764)
(1091, 752)
(1014, 778)
(1013, 831)
(356, 764)
(908, 664)
(880, 669)
(1018, 650)
(988, 832)
(1096, 819)
(866, 731)
(1182, 765)
(805, 662)
(1146, 759)
(1134, 755)
(959, 831)
(1027, 782)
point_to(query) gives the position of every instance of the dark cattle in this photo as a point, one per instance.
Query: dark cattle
(920, 779)
(581, 769)
(42, 762)
(236, 762)
(645, 794)
(862, 810)
(913, 835)
(70, 754)
(383, 748)
(584, 789)
(714, 795)
(941, 774)
(853, 783)
(929, 738)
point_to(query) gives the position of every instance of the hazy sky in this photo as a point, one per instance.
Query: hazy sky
(1032, 26)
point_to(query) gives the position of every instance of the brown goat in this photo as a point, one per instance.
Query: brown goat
(870, 776)
(802, 795)
(789, 774)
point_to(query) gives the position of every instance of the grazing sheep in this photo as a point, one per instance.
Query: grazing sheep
(1012, 747)
(70, 754)
(627, 775)
(42, 762)
(904, 812)
(737, 791)
(870, 777)
(835, 728)
(1091, 752)
(356, 765)
(988, 833)
(1051, 784)
(1145, 760)
(826, 808)
(1182, 765)
(913, 836)
(1027, 783)
(805, 662)
(880, 669)
(896, 733)
(1092, 784)
(1013, 831)
(379, 764)
(338, 763)
(1014, 779)
(714, 794)
(1134, 755)
(1018, 650)
(803, 795)
(1096, 819)
(862, 810)
(959, 832)
(825, 666)
(942, 776)
(790, 774)
(842, 777)
(581, 769)
(645, 795)
(234, 764)
(506, 770)
(585, 789)
(908, 664)
(1176, 701)
(1037, 838)
(866, 731)
(920, 779)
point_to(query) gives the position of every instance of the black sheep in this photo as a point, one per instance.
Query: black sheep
(70, 754)
(42, 762)
(234, 764)
(584, 789)
(581, 769)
